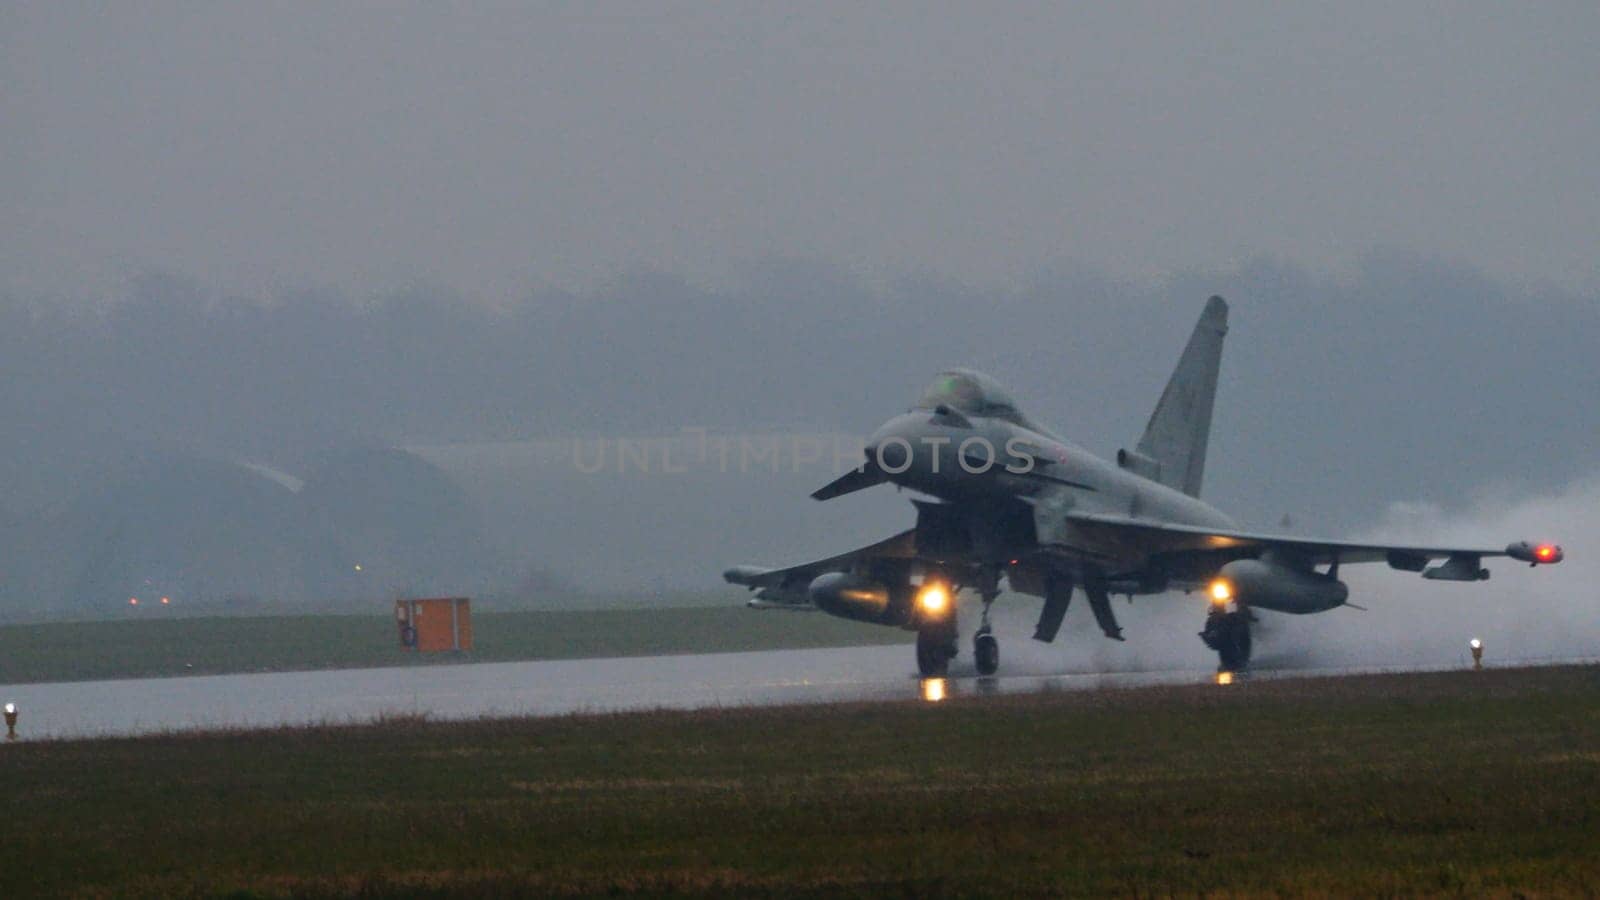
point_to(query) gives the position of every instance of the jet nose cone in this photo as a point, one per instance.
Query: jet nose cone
(893, 447)
(890, 455)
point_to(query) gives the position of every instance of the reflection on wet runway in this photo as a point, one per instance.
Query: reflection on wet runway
(544, 688)
(530, 688)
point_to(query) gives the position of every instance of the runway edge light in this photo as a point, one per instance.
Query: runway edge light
(11, 721)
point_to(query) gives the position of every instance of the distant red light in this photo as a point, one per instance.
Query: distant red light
(133, 601)
(166, 600)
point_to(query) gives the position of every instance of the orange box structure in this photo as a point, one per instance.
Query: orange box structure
(432, 624)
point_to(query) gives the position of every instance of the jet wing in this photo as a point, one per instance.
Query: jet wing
(1191, 542)
(786, 588)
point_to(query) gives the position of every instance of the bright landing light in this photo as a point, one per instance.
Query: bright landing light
(934, 599)
(933, 689)
(1221, 592)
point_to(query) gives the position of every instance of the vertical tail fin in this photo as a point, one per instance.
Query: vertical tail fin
(1175, 440)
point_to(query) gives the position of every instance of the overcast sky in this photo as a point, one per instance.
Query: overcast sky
(496, 149)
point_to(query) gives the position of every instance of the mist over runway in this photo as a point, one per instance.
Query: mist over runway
(563, 687)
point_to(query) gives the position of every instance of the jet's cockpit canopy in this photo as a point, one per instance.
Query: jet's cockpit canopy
(971, 393)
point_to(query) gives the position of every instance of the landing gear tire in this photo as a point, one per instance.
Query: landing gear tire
(1229, 635)
(934, 651)
(932, 661)
(986, 652)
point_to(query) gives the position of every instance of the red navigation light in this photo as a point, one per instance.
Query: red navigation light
(166, 600)
(133, 601)
(1548, 554)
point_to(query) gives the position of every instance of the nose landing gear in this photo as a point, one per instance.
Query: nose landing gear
(1228, 633)
(986, 652)
(936, 646)
(985, 647)
(937, 635)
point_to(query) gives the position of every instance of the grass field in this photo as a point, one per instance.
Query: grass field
(1481, 784)
(78, 651)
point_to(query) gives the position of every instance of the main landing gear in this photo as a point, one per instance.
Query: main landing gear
(1228, 633)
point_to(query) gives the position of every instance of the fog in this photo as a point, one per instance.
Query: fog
(250, 453)
(302, 307)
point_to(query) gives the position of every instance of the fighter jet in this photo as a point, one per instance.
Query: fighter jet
(1006, 498)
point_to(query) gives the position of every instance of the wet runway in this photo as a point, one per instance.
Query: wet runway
(465, 691)
(556, 687)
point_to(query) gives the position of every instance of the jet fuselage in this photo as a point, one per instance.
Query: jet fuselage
(981, 462)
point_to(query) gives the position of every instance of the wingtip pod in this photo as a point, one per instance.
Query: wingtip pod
(1216, 311)
(1536, 554)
